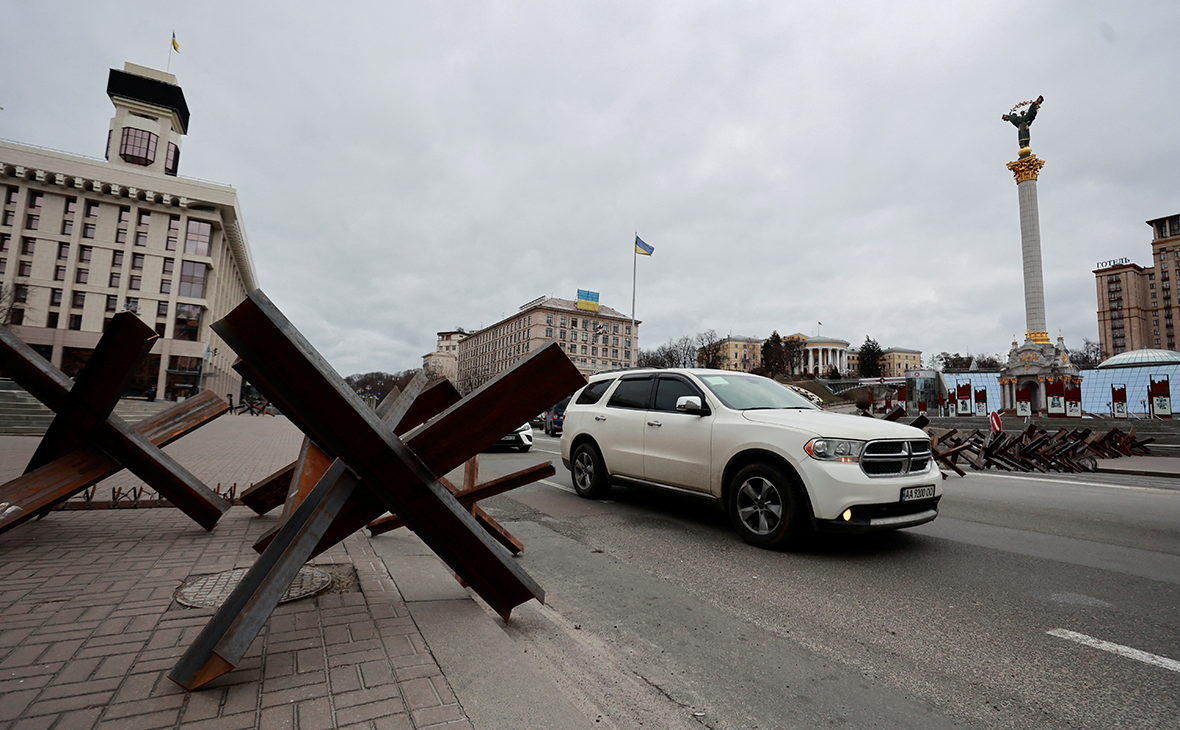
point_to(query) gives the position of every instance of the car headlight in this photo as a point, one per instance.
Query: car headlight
(825, 449)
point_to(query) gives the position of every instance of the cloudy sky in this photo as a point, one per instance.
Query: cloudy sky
(416, 166)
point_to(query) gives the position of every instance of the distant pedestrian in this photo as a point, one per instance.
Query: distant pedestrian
(151, 393)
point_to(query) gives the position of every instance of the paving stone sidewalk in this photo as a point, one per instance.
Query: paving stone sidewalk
(89, 628)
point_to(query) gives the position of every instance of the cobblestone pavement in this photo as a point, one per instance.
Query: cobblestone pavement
(89, 628)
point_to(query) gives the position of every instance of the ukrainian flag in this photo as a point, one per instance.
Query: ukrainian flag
(175, 45)
(642, 248)
(588, 300)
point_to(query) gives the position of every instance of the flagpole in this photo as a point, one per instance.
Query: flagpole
(634, 268)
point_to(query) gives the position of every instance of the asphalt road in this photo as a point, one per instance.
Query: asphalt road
(1046, 602)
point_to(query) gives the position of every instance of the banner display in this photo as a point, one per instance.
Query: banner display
(1073, 401)
(963, 398)
(1118, 401)
(981, 402)
(1055, 399)
(1159, 396)
(1023, 402)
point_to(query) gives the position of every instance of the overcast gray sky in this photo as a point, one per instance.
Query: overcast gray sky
(410, 167)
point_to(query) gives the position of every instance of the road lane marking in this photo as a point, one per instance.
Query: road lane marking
(559, 486)
(1119, 649)
(1049, 480)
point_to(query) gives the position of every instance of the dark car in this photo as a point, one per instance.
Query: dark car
(555, 418)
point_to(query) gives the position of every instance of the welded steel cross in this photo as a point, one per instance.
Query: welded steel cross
(87, 443)
(373, 472)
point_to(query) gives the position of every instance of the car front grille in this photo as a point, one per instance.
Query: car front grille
(895, 458)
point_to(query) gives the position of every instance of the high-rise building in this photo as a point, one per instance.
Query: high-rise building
(82, 238)
(594, 339)
(1135, 306)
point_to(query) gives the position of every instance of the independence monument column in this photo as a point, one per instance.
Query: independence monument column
(1025, 168)
(1037, 367)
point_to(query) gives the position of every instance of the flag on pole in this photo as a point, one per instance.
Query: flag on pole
(642, 248)
(587, 300)
(175, 45)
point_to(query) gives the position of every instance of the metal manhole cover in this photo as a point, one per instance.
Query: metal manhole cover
(210, 591)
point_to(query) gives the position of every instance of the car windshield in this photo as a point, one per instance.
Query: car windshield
(746, 392)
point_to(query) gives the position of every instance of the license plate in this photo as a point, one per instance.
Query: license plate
(912, 493)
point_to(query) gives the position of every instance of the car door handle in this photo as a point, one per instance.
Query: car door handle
(654, 423)
(600, 418)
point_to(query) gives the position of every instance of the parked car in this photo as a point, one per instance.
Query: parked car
(780, 466)
(521, 438)
(555, 418)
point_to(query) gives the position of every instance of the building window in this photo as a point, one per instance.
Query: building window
(137, 260)
(79, 300)
(162, 309)
(55, 297)
(67, 228)
(172, 160)
(75, 322)
(4, 239)
(35, 199)
(114, 281)
(9, 217)
(196, 242)
(3, 265)
(25, 268)
(27, 246)
(145, 218)
(91, 209)
(561, 334)
(192, 279)
(51, 321)
(84, 253)
(116, 259)
(32, 221)
(165, 286)
(138, 146)
(88, 230)
(134, 282)
(168, 264)
(20, 293)
(71, 206)
(81, 276)
(112, 302)
(187, 322)
(141, 238)
(10, 196)
(121, 235)
(59, 273)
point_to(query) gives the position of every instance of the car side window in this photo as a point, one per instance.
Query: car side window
(631, 393)
(593, 392)
(669, 389)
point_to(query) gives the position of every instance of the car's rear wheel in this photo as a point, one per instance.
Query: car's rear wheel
(589, 472)
(766, 506)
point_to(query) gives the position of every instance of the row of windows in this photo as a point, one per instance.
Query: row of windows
(198, 236)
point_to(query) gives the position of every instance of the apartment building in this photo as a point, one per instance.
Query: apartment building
(82, 238)
(594, 339)
(1136, 310)
(741, 353)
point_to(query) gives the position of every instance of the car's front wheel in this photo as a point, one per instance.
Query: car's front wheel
(589, 472)
(524, 449)
(766, 506)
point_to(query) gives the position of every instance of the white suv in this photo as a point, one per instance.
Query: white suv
(778, 464)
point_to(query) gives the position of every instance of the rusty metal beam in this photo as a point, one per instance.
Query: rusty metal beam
(63, 478)
(468, 497)
(97, 388)
(316, 399)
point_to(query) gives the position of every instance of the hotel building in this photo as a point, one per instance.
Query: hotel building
(83, 238)
(1136, 310)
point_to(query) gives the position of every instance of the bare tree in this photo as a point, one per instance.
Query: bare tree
(1089, 354)
(710, 353)
(6, 305)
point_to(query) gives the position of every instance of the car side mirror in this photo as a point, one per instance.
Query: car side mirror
(691, 404)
